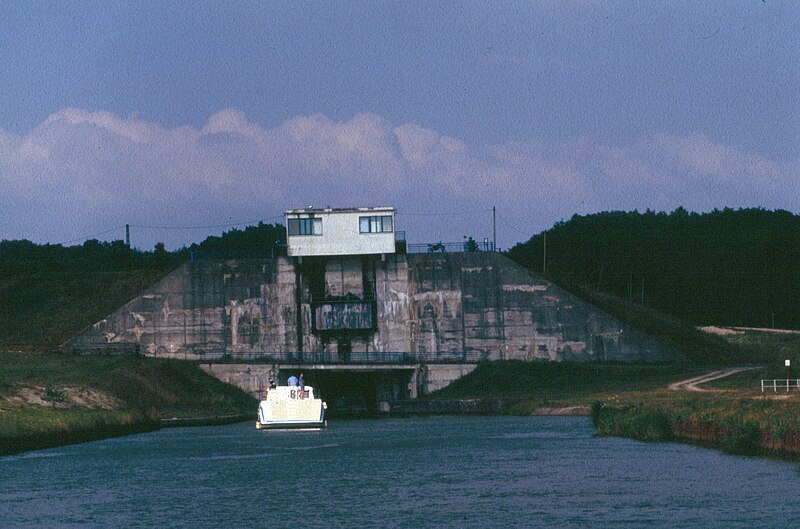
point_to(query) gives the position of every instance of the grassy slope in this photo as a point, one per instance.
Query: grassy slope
(145, 390)
(633, 400)
(155, 386)
(41, 311)
(696, 347)
(733, 416)
(735, 421)
(550, 384)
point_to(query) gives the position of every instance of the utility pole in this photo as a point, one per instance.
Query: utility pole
(642, 290)
(630, 287)
(494, 227)
(544, 255)
(128, 246)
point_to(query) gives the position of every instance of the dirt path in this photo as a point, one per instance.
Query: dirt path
(692, 384)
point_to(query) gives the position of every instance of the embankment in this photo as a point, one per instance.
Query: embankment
(748, 426)
(32, 430)
(480, 406)
(53, 399)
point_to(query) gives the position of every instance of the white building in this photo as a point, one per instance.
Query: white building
(340, 231)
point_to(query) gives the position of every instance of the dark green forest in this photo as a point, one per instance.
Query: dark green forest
(25, 258)
(653, 270)
(50, 292)
(727, 267)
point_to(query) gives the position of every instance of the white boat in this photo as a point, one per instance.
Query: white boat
(291, 407)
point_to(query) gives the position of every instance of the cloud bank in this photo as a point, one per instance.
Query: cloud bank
(80, 172)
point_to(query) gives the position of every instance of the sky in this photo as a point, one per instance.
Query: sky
(187, 119)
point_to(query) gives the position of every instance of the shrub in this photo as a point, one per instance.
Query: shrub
(744, 440)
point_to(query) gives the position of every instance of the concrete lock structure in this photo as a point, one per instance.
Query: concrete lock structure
(345, 308)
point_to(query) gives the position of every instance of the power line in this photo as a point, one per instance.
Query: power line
(86, 238)
(143, 226)
(444, 214)
(512, 226)
(230, 225)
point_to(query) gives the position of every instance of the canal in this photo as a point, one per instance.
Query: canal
(415, 472)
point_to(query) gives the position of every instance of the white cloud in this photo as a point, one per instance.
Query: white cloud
(131, 129)
(82, 172)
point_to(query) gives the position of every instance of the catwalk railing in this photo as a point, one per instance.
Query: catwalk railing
(452, 247)
(326, 357)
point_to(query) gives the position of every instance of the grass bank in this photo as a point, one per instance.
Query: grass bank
(533, 387)
(41, 311)
(633, 401)
(729, 421)
(53, 399)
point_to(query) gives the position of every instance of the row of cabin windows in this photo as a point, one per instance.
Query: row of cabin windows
(375, 224)
(313, 226)
(309, 226)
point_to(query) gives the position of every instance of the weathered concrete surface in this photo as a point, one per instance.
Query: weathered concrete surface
(437, 376)
(461, 307)
(207, 307)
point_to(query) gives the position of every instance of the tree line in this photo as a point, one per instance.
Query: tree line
(21, 257)
(726, 267)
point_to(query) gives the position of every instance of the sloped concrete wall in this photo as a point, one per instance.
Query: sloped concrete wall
(207, 306)
(469, 306)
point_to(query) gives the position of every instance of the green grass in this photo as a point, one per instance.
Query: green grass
(732, 421)
(32, 428)
(633, 401)
(768, 347)
(41, 311)
(560, 384)
(155, 386)
(143, 391)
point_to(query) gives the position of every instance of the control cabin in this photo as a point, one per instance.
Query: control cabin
(340, 231)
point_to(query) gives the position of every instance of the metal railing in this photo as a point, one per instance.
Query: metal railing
(451, 247)
(326, 357)
(780, 384)
(250, 252)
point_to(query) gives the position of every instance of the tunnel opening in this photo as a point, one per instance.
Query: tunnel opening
(359, 393)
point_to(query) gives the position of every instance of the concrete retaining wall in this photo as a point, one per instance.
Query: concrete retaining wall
(477, 305)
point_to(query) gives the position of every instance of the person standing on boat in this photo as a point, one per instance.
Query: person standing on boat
(302, 384)
(293, 381)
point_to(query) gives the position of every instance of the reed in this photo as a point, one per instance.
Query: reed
(732, 424)
(32, 428)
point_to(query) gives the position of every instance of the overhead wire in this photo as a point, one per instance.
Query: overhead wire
(507, 223)
(444, 214)
(229, 225)
(149, 227)
(86, 238)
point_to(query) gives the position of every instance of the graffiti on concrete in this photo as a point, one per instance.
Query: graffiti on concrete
(355, 315)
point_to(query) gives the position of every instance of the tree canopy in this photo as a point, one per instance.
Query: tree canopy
(726, 267)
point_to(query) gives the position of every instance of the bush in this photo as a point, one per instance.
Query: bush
(743, 440)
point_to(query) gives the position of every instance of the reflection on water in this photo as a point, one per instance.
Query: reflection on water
(423, 472)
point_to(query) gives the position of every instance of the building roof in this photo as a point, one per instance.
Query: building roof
(339, 210)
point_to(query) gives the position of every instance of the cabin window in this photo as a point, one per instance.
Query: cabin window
(375, 224)
(307, 226)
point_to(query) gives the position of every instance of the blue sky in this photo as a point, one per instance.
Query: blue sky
(181, 114)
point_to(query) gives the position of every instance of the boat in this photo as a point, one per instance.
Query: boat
(287, 407)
